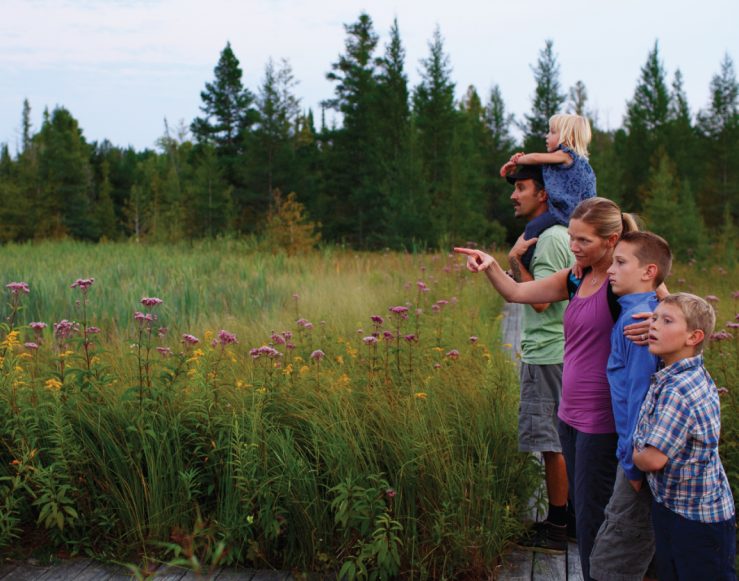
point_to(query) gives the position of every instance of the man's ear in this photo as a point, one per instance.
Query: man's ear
(542, 193)
(695, 337)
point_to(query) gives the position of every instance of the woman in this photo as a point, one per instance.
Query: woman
(586, 430)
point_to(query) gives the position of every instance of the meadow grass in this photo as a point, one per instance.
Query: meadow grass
(356, 439)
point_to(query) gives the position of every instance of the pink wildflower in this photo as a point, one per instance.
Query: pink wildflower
(151, 302)
(164, 351)
(317, 355)
(370, 340)
(278, 339)
(83, 284)
(735, 294)
(390, 493)
(162, 332)
(287, 335)
(411, 338)
(93, 330)
(421, 285)
(31, 346)
(388, 335)
(225, 338)
(37, 326)
(473, 339)
(453, 354)
(377, 319)
(188, 339)
(64, 329)
(17, 287)
(437, 365)
(712, 298)
(720, 336)
(732, 325)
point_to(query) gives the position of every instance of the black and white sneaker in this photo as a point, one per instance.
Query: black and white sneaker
(544, 537)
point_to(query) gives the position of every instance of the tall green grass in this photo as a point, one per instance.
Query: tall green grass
(397, 458)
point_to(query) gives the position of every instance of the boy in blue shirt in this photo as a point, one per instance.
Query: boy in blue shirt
(676, 444)
(624, 546)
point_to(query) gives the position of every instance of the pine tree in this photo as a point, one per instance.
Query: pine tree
(435, 119)
(645, 124)
(547, 99)
(288, 227)
(354, 164)
(208, 196)
(104, 210)
(577, 99)
(719, 129)
(501, 146)
(681, 138)
(26, 126)
(66, 179)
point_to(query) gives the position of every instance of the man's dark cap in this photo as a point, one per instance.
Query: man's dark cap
(526, 172)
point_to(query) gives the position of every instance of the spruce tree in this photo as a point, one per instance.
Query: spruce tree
(719, 129)
(354, 162)
(435, 119)
(645, 125)
(547, 100)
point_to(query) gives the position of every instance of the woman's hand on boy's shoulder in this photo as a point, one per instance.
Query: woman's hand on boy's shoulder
(638, 332)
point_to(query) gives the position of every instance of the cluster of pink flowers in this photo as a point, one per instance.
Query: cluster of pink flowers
(453, 354)
(317, 355)
(65, 329)
(265, 351)
(400, 310)
(16, 288)
(721, 336)
(83, 284)
(144, 317)
(411, 338)
(151, 302)
(304, 324)
(190, 340)
(31, 346)
(371, 340)
(422, 286)
(38, 326)
(377, 320)
(164, 351)
(224, 338)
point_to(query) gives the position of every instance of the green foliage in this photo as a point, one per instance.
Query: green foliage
(288, 228)
(212, 455)
(547, 100)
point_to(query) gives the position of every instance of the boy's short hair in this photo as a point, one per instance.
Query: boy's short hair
(699, 315)
(651, 249)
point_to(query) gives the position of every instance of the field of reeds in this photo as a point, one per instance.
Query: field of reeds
(335, 412)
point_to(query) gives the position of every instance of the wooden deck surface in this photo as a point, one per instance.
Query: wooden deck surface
(517, 565)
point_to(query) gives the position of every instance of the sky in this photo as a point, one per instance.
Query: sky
(122, 67)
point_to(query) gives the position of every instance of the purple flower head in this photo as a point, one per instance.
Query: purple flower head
(398, 310)
(388, 335)
(720, 336)
(31, 346)
(16, 288)
(735, 294)
(411, 338)
(317, 355)
(93, 330)
(188, 339)
(453, 354)
(162, 332)
(473, 339)
(301, 322)
(436, 308)
(144, 317)
(377, 319)
(442, 302)
(289, 346)
(83, 284)
(731, 325)
(164, 351)
(421, 285)
(64, 329)
(151, 302)
(437, 365)
(278, 339)
(37, 326)
(225, 338)
(308, 325)
(390, 493)
(712, 298)
(370, 340)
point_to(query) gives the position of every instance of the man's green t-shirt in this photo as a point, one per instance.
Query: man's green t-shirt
(542, 336)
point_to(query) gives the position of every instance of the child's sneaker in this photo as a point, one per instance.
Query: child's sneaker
(544, 537)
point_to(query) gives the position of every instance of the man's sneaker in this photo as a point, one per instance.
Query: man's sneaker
(571, 530)
(544, 537)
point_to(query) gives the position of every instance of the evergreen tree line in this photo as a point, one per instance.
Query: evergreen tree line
(403, 168)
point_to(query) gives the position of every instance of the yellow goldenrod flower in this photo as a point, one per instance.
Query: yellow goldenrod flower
(344, 380)
(208, 336)
(305, 369)
(288, 370)
(420, 395)
(438, 349)
(339, 360)
(262, 390)
(298, 359)
(53, 384)
(24, 355)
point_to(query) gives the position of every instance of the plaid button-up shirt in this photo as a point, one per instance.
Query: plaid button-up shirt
(681, 418)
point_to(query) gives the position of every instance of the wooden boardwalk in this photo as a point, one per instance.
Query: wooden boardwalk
(517, 564)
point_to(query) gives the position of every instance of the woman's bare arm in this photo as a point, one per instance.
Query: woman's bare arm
(550, 289)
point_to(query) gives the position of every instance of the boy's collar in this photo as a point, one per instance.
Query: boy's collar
(679, 366)
(629, 300)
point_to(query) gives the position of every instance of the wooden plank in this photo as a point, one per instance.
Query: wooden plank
(67, 569)
(99, 571)
(515, 566)
(574, 569)
(271, 576)
(6, 569)
(234, 574)
(25, 572)
(549, 567)
(165, 573)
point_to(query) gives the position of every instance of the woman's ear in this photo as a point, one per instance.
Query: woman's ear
(613, 240)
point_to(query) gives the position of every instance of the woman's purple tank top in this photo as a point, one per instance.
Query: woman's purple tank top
(586, 397)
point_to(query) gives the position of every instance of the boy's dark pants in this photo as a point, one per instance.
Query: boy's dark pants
(591, 472)
(688, 549)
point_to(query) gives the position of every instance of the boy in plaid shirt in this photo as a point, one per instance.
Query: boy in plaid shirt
(676, 444)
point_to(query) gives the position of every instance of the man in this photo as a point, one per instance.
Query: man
(542, 352)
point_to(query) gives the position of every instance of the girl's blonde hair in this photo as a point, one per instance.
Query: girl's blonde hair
(574, 132)
(605, 217)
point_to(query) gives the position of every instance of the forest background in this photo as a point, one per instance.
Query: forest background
(396, 167)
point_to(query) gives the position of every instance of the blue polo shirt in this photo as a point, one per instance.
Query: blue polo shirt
(630, 368)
